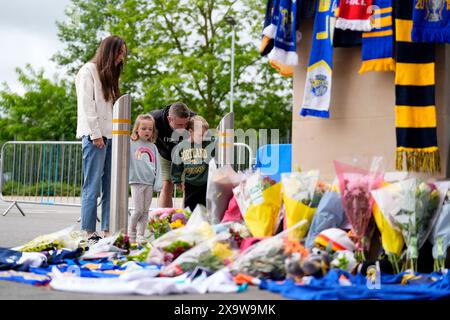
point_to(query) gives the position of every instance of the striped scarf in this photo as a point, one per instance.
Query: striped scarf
(415, 110)
(378, 45)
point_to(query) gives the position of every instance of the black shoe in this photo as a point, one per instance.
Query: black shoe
(93, 239)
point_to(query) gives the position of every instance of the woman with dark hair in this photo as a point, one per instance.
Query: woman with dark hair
(97, 87)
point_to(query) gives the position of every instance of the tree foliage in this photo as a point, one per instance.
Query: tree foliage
(179, 50)
(46, 111)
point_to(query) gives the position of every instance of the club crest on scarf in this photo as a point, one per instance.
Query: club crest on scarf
(319, 85)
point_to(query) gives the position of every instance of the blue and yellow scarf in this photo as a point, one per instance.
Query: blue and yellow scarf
(378, 44)
(316, 100)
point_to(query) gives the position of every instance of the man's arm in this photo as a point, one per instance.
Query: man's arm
(177, 168)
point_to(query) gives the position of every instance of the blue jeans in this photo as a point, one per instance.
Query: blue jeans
(96, 174)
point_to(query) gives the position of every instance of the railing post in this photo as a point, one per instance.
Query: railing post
(120, 164)
(225, 152)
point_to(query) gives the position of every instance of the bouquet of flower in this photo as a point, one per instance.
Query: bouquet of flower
(177, 248)
(427, 203)
(441, 232)
(238, 232)
(140, 254)
(212, 254)
(409, 205)
(391, 238)
(266, 259)
(301, 195)
(123, 242)
(175, 242)
(219, 191)
(66, 238)
(163, 220)
(259, 199)
(321, 188)
(355, 185)
(329, 214)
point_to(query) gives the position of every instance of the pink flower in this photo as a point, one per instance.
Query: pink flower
(164, 215)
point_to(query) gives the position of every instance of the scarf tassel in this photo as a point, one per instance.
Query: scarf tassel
(284, 70)
(354, 25)
(419, 161)
(386, 64)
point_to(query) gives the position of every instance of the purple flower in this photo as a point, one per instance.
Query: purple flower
(179, 216)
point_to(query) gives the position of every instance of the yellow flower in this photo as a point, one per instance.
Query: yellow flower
(177, 224)
(222, 250)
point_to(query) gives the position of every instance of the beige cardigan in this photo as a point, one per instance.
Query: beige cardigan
(94, 113)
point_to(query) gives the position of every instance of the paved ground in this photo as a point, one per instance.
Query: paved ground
(16, 230)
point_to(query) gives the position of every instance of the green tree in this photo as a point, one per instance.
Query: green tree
(46, 111)
(180, 50)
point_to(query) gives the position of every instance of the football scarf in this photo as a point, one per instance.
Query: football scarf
(268, 41)
(269, 28)
(377, 45)
(415, 112)
(431, 21)
(25, 277)
(354, 15)
(283, 56)
(316, 99)
(285, 48)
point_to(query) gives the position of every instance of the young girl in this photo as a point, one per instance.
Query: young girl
(97, 87)
(145, 174)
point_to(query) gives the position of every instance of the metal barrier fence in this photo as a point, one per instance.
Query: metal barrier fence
(41, 172)
(244, 157)
(51, 172)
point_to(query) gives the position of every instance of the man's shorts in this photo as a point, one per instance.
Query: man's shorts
(165, 168)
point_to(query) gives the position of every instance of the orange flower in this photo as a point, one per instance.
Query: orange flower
(295, 246)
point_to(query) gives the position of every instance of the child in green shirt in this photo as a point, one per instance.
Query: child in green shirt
(191, 158)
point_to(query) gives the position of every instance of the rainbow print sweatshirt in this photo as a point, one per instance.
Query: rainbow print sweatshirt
(145, 167)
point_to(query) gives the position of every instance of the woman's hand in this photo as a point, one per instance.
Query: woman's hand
(99, 142)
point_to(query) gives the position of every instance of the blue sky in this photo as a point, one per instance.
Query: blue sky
(29, 35)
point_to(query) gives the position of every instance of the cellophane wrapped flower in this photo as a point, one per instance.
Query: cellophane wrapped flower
(440, 235)
(410, 206)
(259, 199)
(391, 238)
(238, 232)
(427, 202)
(212, 254)
(319, 191)
(355, 185)
(175, 242)
(177, 248)
(66, 238)
(298, 196)
(123, 242)
(266, 259)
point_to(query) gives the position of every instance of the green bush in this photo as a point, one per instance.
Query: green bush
(14, 188)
